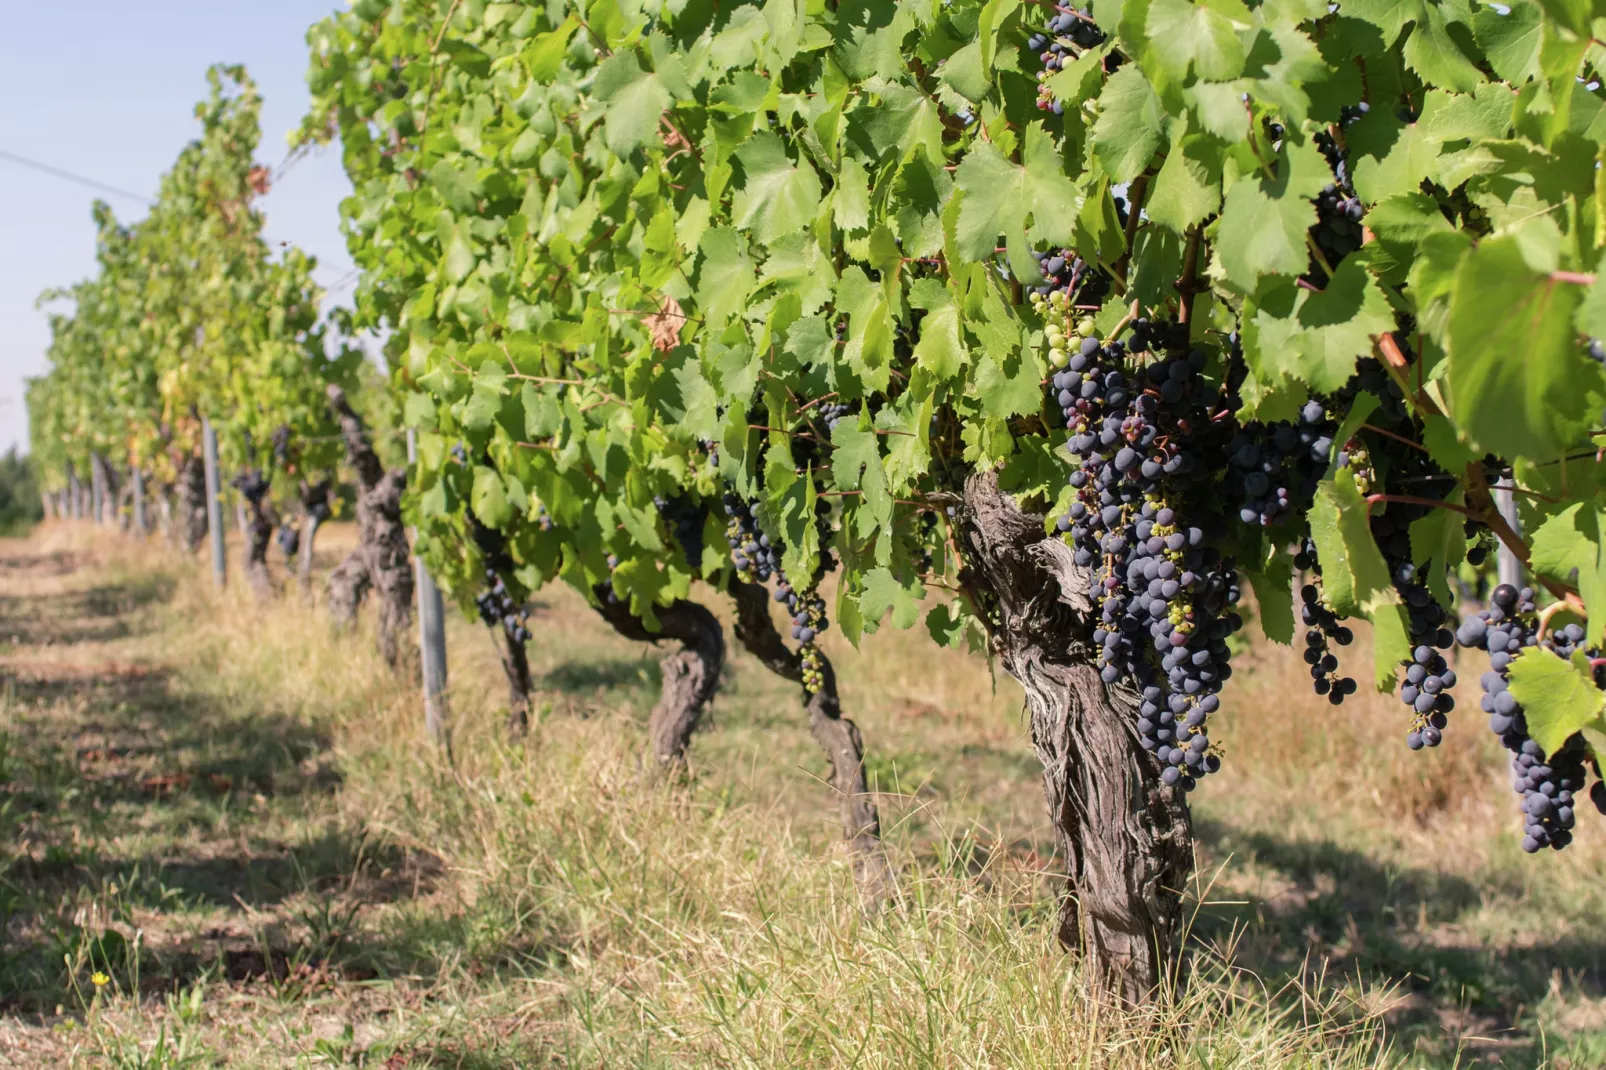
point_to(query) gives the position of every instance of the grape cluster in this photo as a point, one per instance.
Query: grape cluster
(543, 519)
(1066, 34)
(1546, 785)
(1339, 211)
(833, 411)
(757, 558)
(497, 607)
(1323, 631)
(1061, 271)
(252, 485)
(1162, 590)
(1273, 468)
(606, 590)
(289, 539)
(683, 516)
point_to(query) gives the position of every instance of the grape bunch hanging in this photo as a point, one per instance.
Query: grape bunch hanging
(757, 559)
(1547, 785)
(1163, 592)
(497, 607)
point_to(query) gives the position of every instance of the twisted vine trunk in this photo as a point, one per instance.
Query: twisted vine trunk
(190, 522)
(314, 508)
(837, 735)
(516, 667)
(690, 674)
(381, 563)
(1127, 838)
(260, 518)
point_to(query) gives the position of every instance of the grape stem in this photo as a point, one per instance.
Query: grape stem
(1320, 257)
(1406, 499)
(1188, 284)
(1134, 210)
(1115, 332)
(1582, 278)
(1398, 367)
(1548, 612)
(823, 397)
(1489, 516)
(1396, 438)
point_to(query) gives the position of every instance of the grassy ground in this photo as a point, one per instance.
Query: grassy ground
(227, 845)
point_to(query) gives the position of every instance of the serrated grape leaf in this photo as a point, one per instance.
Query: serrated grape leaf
(962, 72)
(1439, 541)
(1316, 337)
(883, 593)
(940, 350)
(946, 625)
(906, 119)
(1001, 195)
(1432, 52)
(1406, 219)
(1009, 384)
(1394, 159)
(779, 197)
(856, 466)
(1186, 36)
(1130, 125)
(1510, 40)
(1264, 219)
(489, 498)
(1558, 697)
(1517, 380)
(1353, 569)
(811, 341)
(1273, 585)
(850, 199)
(1391, 638)
(1448, 451)
(725, 279)
(1571, 547)
(635, 100)
(1187, 189)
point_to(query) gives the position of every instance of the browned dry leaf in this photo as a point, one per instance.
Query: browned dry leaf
(259, 179)
(664, 325)
(674, 140)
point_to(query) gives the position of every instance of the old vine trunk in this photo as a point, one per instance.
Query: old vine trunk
(837, 736)
(190, 523)
(690, 674)
(516, 667)
(314, 508)
(1127, 839)
(381, 562)
(260, 520)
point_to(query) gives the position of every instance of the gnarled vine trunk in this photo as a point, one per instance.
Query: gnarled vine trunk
(190, 523)
(837, 736)
(314, 507)
(690, 674)
(1127, 838)
(260, 518)
(381, 562)
(516, 667)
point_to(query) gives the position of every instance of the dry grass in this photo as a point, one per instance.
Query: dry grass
(294, 878)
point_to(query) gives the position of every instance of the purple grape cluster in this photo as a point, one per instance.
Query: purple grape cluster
(1323, 632)
(1546, 784)
(683, 516)
(497, 606)
(1273, 468)
(252, 485)
(1163, 592)
(757, 559)
(1065, 35)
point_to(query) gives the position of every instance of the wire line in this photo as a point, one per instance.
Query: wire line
(71, 177)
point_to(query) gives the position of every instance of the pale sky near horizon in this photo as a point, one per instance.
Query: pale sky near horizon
(107, 90)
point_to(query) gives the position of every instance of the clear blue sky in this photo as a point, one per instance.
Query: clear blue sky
(107, 89)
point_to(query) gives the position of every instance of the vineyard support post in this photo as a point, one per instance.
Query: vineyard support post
(1508, 566)
(214, 504)
(75, 500)
(431, 633)
(139, 504)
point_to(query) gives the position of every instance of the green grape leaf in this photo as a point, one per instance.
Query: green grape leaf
(1264, 218)
(1536, 406)
(1558, 696)
(725, 277)
(883, 593)
(1274, 599)
(940, 350)
(635, 100)
(489, 499)
(1353, 569)
(1439, 542)
(857, 466)
(1188, 36)
(1000, 195)
(1317, 337)
(780, 197)
(1187, 189)
(1432, 52)
(1570, 546)
(1130, 126)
